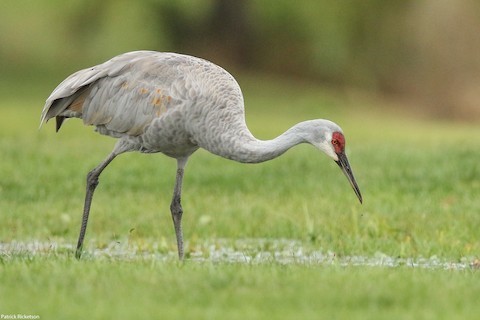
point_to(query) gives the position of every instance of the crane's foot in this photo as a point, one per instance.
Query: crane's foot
(78, 253)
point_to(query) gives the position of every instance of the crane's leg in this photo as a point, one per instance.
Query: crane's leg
(176, 206)
(92, 182)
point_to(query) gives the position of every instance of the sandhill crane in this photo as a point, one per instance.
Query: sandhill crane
(175, 104)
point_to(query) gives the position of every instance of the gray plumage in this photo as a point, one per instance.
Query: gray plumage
(175, 104)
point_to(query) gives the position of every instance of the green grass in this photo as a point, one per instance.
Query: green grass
(58, 287)
(420, 182)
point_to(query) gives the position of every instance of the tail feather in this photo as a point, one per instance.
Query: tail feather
(59, 121)
(62, 108)
(68, 91)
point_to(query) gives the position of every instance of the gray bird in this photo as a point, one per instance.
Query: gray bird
(174, 104)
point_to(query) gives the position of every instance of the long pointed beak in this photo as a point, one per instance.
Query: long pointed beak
(345, 166)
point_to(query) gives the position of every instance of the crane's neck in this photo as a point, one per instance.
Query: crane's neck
(242, 146)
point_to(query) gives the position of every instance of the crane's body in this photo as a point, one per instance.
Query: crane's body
(175, 104)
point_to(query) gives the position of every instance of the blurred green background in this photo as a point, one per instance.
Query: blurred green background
(421, 53)
(402, 79)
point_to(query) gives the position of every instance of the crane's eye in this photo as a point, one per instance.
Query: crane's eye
(338, 142)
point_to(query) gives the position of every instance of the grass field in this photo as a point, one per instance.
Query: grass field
(419, 179)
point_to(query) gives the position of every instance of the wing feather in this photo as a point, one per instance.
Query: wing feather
(123, 94)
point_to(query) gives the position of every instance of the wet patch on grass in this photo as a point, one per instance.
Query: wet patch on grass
(225, 251)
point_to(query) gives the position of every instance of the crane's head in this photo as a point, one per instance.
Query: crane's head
(328, 137)
(338, 145)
